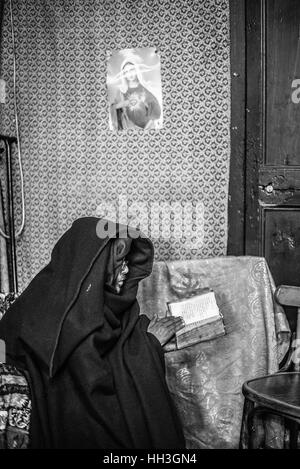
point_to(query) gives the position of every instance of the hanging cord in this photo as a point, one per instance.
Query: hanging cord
(17, 125)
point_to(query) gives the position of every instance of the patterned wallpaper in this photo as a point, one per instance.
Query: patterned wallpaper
(73, 162)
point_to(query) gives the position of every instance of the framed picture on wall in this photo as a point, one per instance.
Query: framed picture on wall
(134, 89)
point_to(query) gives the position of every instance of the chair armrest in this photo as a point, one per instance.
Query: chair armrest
(287, 295)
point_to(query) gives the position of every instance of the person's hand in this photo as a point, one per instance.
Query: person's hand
(164, 328)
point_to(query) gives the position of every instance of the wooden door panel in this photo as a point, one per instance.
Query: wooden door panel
(282, 67)
(281, 237)
(282, 243)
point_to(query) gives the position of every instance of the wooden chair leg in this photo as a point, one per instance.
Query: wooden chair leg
(245, 436)
(255, 441)
(253, 437)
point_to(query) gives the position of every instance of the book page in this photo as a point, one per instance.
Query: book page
(196, 309)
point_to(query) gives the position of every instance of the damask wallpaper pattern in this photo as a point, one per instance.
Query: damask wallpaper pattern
(72, 161)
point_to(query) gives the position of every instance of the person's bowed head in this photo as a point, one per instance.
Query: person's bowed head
(118, 268)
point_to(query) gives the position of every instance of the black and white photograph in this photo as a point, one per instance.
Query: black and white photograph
(149, 229)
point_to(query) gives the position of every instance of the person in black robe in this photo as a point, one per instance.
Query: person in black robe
(95, 366)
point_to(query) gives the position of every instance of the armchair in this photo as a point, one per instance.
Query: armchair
(206, 379)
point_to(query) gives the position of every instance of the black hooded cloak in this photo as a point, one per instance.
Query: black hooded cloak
(97, 377)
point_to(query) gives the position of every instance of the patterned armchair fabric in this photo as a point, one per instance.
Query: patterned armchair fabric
(206, 379)
(15, 407)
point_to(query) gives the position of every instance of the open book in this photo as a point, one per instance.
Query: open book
(202, 317)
